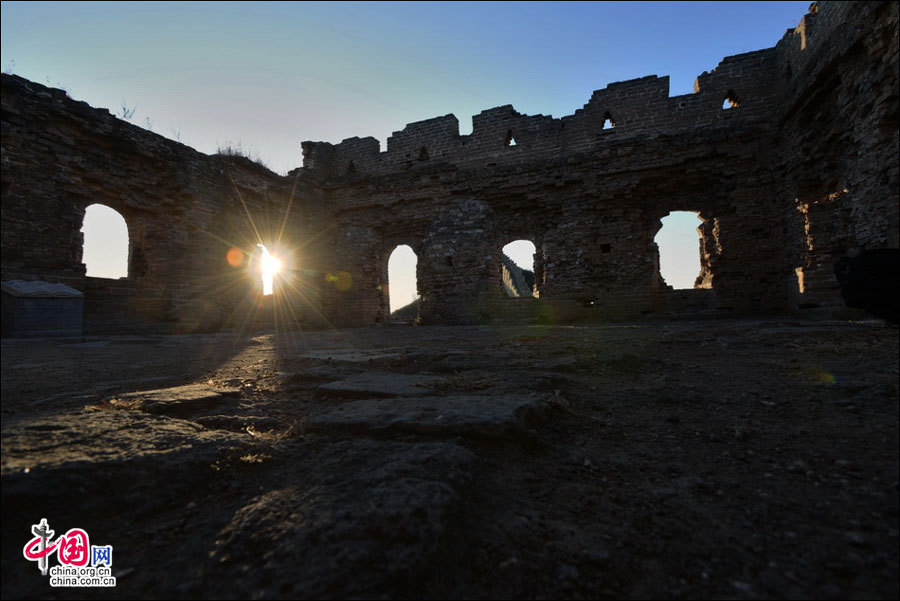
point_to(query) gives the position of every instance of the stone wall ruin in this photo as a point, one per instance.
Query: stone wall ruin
(803, 168)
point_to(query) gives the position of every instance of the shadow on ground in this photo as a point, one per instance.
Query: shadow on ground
(739, 459)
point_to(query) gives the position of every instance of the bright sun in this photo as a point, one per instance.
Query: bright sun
(270, 265)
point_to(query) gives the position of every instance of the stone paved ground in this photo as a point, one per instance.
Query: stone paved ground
(714, 459)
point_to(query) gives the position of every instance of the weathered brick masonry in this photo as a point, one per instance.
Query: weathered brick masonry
(803, 168)
(183, 209)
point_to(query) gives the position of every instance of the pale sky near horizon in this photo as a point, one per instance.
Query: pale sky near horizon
(265, 76)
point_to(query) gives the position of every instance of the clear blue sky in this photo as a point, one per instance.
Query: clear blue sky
(265, 76)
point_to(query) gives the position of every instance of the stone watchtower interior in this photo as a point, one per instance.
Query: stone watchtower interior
(739, 160)
(235, 402)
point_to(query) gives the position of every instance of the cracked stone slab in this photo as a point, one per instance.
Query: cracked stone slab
(351, 355)
(110, 435)
(381, 384)
(470, 415)
(312, 377)
(180, 401)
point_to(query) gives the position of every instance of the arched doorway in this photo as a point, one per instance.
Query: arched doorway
(517, 269)
(402, 286)
(105, 249)
(679, 249)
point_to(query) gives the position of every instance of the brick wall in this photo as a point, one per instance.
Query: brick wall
(183, 209)
(804, 168)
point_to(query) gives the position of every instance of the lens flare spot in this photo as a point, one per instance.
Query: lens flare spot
(342, 280)
(234, 256)
(821, 376)
(827, 378)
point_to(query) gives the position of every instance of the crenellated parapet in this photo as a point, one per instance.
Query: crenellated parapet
(501, 135)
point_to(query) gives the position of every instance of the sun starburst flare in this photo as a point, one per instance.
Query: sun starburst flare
(270, 265)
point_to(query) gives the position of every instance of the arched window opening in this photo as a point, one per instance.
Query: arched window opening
(679, 249)
(423, 154)
(402, 285)
(608, 121)
(517, 269)
(510, 139)
(730, 101)
(105, 250)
